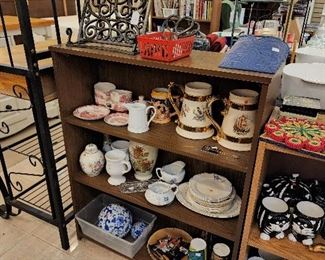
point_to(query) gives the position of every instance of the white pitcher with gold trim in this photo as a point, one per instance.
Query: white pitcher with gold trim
(192, 120)
(237, 129)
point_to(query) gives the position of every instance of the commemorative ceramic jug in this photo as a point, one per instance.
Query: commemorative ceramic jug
(237, 129)
(192, 120)
(138, 117)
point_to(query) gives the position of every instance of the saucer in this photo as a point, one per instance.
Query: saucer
(182, 198)
(91, 112)
(117, 119)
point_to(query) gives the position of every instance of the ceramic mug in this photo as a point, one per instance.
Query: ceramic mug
(169, 177)
(159, 99)
(118, 98)
(103, 92)
(116, 166)
(273, 218)
(122, 145)
(198, 249)
(308, 218)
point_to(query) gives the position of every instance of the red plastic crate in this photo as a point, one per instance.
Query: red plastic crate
(156, 47)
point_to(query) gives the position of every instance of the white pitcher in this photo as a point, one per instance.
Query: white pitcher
(237, 129)
(138, 117)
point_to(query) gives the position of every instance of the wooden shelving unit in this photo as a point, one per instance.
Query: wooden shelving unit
(207, 26)
(76, 71)
(270, 160)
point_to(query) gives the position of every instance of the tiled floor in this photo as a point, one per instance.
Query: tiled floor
(25, 237)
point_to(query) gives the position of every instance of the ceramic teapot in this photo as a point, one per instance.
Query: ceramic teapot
(138, 117)
(289, 188)
(160, 193)
(237, 130)
(193, 122)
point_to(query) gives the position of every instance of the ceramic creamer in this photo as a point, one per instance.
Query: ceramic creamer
(160, 193)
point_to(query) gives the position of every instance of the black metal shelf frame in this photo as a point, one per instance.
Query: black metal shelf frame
(49, 197)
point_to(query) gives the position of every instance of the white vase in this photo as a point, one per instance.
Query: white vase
(91, 160)
(143, 159)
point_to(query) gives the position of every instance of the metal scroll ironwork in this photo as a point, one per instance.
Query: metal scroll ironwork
(19, 92)
(112, 24)
(34, 161)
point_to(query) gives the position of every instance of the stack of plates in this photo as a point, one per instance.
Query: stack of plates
(210, 195)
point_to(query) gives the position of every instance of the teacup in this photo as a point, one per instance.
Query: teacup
(103, 92)
(118, 98)
(170, 177)
(116, 166)
(121, 145)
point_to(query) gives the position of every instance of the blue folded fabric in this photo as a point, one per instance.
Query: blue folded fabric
(260, 54)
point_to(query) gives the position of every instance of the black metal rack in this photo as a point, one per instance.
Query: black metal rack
(48, 197)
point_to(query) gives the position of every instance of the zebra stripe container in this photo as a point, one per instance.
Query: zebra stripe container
(273, 218)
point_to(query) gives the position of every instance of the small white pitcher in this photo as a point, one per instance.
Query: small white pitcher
(138, 117)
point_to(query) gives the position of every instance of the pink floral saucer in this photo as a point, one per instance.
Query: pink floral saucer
(91, 112)
(117, 119)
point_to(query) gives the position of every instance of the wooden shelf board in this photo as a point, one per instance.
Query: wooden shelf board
(197, 20)
(284, 247)
(165, 137)
(222, 227)
(198, 63)
(19, 58)
(8, 80)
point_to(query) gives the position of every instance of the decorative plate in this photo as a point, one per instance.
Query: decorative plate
(117, 119)
(91, 112)
(182, 198)
(213, 206)
(210, 187)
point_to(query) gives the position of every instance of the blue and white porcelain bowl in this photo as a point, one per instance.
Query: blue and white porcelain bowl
(137, 229)
(115, 219)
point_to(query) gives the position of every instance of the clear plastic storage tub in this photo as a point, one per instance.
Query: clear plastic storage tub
(87, 219)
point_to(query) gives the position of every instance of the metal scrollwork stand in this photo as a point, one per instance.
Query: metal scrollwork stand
(112, 25)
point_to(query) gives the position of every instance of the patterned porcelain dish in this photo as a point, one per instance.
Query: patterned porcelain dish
(209, 187)
(91, 112)
(117, 119)
(115, 219)
(182, 198)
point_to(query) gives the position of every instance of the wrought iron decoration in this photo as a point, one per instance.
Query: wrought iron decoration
(112, 24)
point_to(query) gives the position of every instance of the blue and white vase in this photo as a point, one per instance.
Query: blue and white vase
(137, 229)
(115, 219)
